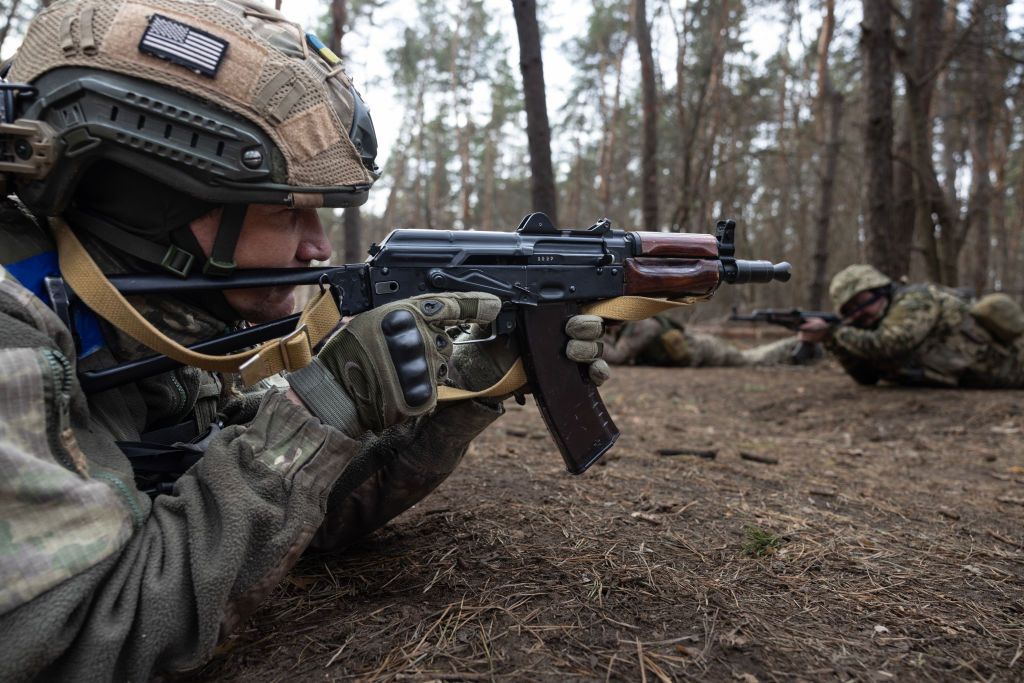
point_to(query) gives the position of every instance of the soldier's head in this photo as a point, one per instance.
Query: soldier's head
(860, 293)
(187, 134)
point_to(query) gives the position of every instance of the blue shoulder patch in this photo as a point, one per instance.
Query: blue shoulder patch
(31, 271)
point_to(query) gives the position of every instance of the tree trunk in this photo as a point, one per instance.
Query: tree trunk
(827, 103)
(339, 17)
(921, 69)
(682, 31)
(988, 77)
(490, 181)
(649, 162)
(691, 180)
(354, 251)
(608, 141)
(877, 45)
(538, 131)
(575, 187)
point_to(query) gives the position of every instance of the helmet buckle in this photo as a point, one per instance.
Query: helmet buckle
(177, 261)
(218, 268)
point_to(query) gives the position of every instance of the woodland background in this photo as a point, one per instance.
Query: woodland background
(898, 140)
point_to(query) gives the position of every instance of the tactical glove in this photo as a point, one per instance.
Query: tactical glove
(482, 364)
(384, 366)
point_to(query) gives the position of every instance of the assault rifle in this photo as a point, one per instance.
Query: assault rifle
(542, 275)
(792, 319)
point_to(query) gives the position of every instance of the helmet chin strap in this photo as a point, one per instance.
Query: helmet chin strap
(221, 262)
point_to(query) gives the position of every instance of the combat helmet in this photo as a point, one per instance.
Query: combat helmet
(223, 101)
(852, 280)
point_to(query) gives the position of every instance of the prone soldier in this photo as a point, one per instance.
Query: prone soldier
(663, 341)
(920, 334)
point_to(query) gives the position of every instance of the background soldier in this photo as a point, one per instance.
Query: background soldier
(663, 341)
(176, 135)
(921, 334)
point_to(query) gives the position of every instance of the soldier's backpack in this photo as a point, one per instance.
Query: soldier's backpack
(1000, 315)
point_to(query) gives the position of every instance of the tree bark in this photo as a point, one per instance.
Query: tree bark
(339, 17)
(353, 224)
(877, 46)
(608, 141)
(538, 131)
(828, 103)
(989, 71)
(694, 182)
(921, 69)
(649, 86)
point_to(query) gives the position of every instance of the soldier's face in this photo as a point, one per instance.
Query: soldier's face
(866, 309)
(272, 236)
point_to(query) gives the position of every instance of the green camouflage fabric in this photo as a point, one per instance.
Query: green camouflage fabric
(928, 338)
(662, 341)
(42, 465)
(99, 581)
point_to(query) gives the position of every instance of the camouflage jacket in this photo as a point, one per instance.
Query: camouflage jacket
(98, 581)
(927, 337)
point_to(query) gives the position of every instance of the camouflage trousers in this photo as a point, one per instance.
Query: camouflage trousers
(706, 350)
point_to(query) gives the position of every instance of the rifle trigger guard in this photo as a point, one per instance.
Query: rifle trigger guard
(493, 335)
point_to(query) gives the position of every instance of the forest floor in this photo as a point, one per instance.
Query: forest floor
(823, 531)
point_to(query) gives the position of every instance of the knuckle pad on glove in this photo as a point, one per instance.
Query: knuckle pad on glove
(585, 327)
(406, 347)
(582, 351)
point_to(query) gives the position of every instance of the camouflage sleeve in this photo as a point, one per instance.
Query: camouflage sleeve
(906, 324)
(623, 347)
(863, 371)
(97, 581)
(412, 460)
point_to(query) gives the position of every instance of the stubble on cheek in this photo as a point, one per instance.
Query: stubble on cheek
(262, 304)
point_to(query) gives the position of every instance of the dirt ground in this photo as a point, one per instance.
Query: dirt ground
(827, 531)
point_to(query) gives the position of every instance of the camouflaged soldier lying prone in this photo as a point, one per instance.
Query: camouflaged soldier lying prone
(194, 134)
(662, 341)
(921, 335)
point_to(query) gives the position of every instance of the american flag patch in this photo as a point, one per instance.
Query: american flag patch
(183, 45)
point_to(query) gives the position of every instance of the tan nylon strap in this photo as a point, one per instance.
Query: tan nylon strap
(636, 307)
(67, 42)
(261, 101)
(513, 379)
(290, 352)
(85, 31)
(619, 308)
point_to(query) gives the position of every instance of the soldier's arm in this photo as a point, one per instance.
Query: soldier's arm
(630, 341)
(99, 582)
(413, 459)
(907, 323)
